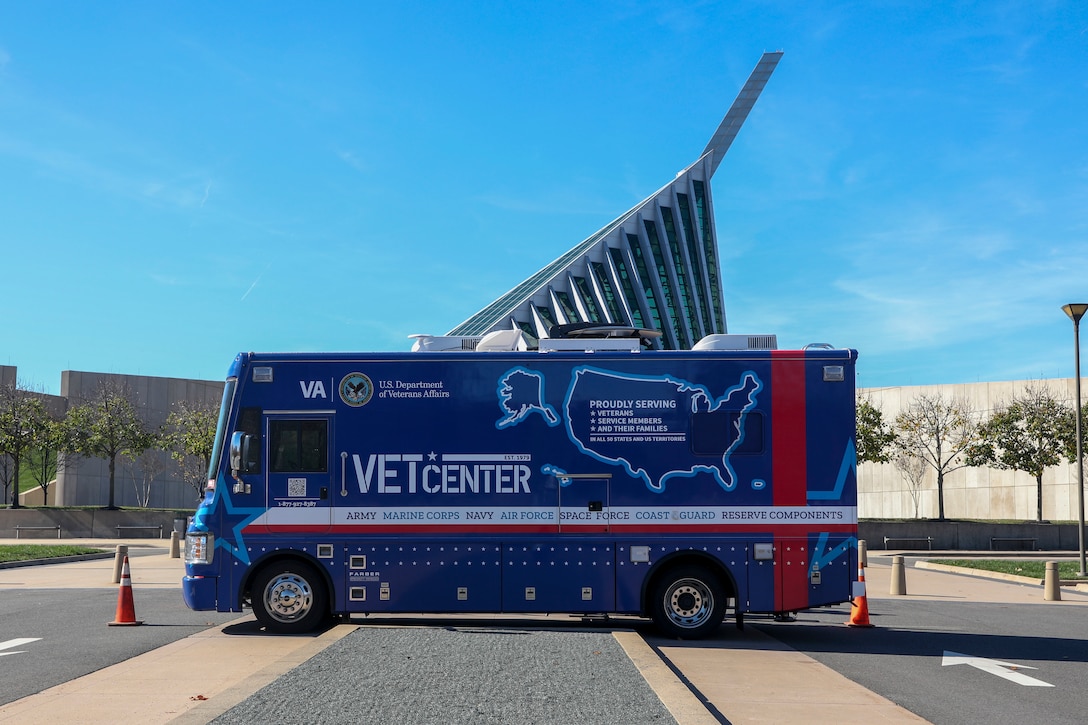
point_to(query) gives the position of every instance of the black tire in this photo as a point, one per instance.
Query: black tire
(688, 602)
(289, 597)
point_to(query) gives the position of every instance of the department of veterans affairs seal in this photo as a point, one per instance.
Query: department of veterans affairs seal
(356, 389)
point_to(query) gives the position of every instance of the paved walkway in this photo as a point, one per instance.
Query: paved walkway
(748, 677)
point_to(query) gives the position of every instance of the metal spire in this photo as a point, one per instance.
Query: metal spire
(730, 125)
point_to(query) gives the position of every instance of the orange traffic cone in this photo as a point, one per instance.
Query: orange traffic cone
(859, 605)
(126, 611)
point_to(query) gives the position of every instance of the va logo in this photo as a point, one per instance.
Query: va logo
(356, 389)
(312, 388)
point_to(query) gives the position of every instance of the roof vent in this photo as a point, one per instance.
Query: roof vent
(497, 341)
(737, 342)
(502, 341)
(444, 343)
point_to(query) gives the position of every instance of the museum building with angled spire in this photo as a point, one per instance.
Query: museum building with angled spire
(655, 267)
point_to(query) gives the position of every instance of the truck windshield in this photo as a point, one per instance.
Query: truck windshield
(221, 427)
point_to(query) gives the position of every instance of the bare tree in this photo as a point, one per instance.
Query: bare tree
(107, 427)
(913, 467)
(144, 469)
(939, 431)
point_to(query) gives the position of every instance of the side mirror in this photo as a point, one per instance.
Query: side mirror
(236, 439)
(244, 453)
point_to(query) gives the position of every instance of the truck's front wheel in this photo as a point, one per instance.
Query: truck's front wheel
(688, 602)
(289, 597)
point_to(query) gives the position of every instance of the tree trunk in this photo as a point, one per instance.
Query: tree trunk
(940, 496)
(113, 461)
(1039, 495)
(15, 482)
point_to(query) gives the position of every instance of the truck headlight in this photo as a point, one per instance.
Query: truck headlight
(199, 548)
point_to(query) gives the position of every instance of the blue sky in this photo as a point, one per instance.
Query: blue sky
(180, 181)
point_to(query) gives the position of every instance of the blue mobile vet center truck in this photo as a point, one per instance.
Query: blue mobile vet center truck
(588, 476)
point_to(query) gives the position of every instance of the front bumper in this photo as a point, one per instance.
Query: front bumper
(199, 592)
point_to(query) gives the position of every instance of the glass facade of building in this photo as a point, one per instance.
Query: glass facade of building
(655, 266)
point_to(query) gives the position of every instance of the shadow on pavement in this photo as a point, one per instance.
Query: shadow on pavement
(1057, 633)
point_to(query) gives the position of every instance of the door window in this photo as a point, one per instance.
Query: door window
(299, 446)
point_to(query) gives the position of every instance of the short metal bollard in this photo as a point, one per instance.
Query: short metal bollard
(899, 576)
(863, 553)
(175, 545)
(118, 562)
(1052, 583)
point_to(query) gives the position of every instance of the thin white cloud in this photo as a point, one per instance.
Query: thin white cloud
(349, 158)
(254, 285)
(80, 168)
(166, 280)
(554, 202)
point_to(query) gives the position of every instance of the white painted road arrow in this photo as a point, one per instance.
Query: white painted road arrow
(994, 667)
(16, 643)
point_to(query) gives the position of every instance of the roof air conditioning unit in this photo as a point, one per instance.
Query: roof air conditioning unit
(737, 342)
(443, 343)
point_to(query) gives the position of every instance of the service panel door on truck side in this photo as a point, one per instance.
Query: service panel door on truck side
(300, 471)
(583, 503)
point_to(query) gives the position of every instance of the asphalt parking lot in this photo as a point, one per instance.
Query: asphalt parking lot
(471, 669)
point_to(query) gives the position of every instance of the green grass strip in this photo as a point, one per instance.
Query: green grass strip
(1020, 567)
(30, 552)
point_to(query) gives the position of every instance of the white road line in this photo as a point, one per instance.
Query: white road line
(16, 643)
(994, 667)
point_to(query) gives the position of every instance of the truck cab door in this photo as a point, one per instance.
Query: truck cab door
(300, 472)
(583, 503)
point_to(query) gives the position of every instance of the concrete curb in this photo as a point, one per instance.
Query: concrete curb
(677, 698)
(968, 571)
(208, 710)
(56, 560)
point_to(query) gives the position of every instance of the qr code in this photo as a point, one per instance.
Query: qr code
(296, 487)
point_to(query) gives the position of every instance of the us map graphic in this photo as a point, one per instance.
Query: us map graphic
(612, 417)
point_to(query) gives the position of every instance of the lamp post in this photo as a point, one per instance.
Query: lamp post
(1075, 312)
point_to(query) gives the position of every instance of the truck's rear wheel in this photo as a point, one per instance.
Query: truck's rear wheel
(688, 602)
(289, 597)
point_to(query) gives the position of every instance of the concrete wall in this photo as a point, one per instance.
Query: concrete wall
(35, 496)
(968, 536)
(85, 481)
(90, 523)
(969, 493)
